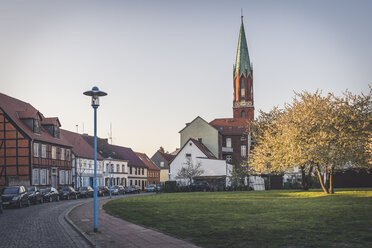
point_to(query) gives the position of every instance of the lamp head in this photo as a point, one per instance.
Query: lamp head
(95, 93)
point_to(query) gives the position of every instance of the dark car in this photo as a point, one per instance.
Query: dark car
(85, 192)
(103, 190)
(67, 193)
(133, 189)
(151, 188)
(200, 186)
(15, 196)
(50, 194)
(117, 190)
(34, 195)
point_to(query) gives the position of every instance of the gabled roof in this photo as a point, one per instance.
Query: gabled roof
(51, 121)
(18, 110)
(145, 159)
(128, 154)
(80, 148)
(188, 124)
(232, 126)
(242, 63)
(167, 156)
(203, 148)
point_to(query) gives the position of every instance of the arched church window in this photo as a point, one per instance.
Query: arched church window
(242, 87)
(242, 114)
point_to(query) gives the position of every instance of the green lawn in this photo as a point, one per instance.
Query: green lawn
(284, 218)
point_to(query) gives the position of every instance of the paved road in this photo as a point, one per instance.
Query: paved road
(40, 226)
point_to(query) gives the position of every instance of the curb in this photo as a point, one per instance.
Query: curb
(77, 229)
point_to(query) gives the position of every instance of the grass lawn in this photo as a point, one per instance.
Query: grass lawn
(284, 218)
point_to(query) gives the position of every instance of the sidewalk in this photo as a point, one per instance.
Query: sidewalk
(115, 232)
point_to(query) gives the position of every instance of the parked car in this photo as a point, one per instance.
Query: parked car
(200, 186)
(67, 193)
(133, 189)
(34, 195)
(50, 194)
(117, 190)
(103, 190)
(15, 196)
(85, 192)
(151, 188)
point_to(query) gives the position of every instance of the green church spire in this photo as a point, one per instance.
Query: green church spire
(242, 64)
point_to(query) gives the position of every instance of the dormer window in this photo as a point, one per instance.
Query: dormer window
(36, 126)
(56, 132)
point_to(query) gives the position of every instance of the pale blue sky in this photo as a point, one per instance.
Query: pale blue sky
(163, 63)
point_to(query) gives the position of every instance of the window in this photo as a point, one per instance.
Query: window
(68, 154)
(161, 164)
(56, 131)
(35, 177)
(67, 181)
(244, 151)
(135, 182)
(130, 182)
(228, 142)
(242, 114)
(43, 151)
(130, 172)
(61, 177)
(47, 177)
(135, 171)
(54, 152)
(230, 128)
(188, 155)
(36, 150)
(43, 180)
(123, 168)
(37, 126)
(242, 87)
(117, 168)
(143, 171)
(62, 153)
(107, 168)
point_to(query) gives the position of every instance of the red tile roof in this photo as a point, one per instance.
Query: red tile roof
(203, 148)
(51, 121)
(145, 159)
(168, 157)
(81, 147)
(15, 108)
(230, 125)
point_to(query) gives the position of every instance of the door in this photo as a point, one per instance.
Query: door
(54, 178)
(91, 182)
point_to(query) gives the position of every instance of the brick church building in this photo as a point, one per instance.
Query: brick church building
(227, 138)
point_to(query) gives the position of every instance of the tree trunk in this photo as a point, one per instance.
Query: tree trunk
(331, 190)
(321, 180)
(304, 182)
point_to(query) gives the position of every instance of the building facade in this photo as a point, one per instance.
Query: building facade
(32, 150)
(162, 161)
(153, 172)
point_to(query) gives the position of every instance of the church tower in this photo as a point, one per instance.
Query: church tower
(243, 105)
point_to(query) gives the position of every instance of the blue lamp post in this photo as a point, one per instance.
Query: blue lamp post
(95, 93)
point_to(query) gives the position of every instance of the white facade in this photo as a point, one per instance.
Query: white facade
(191, 152)
(138, 176)
(84, 172)
(119, 172)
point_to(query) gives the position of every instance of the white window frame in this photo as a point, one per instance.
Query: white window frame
(35, 176)
(36, 150)
(68, 154)
(62, 153)
(243, 151)
(43, 151)
(61, 177)
(228, 142)
(54, 152)
(162, 164)
(43, 180)
(67, 177)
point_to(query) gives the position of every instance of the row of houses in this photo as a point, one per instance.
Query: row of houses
(35, 150)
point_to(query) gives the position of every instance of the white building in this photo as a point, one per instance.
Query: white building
(216, 172)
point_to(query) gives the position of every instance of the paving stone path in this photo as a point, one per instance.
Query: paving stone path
(115, 232)
(40, 225)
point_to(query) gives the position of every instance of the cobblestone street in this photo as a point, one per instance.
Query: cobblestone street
(40, 226)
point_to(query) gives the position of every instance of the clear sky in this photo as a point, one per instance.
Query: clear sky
(163, 63)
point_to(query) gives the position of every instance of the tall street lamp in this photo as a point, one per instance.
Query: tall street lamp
(95, 93)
